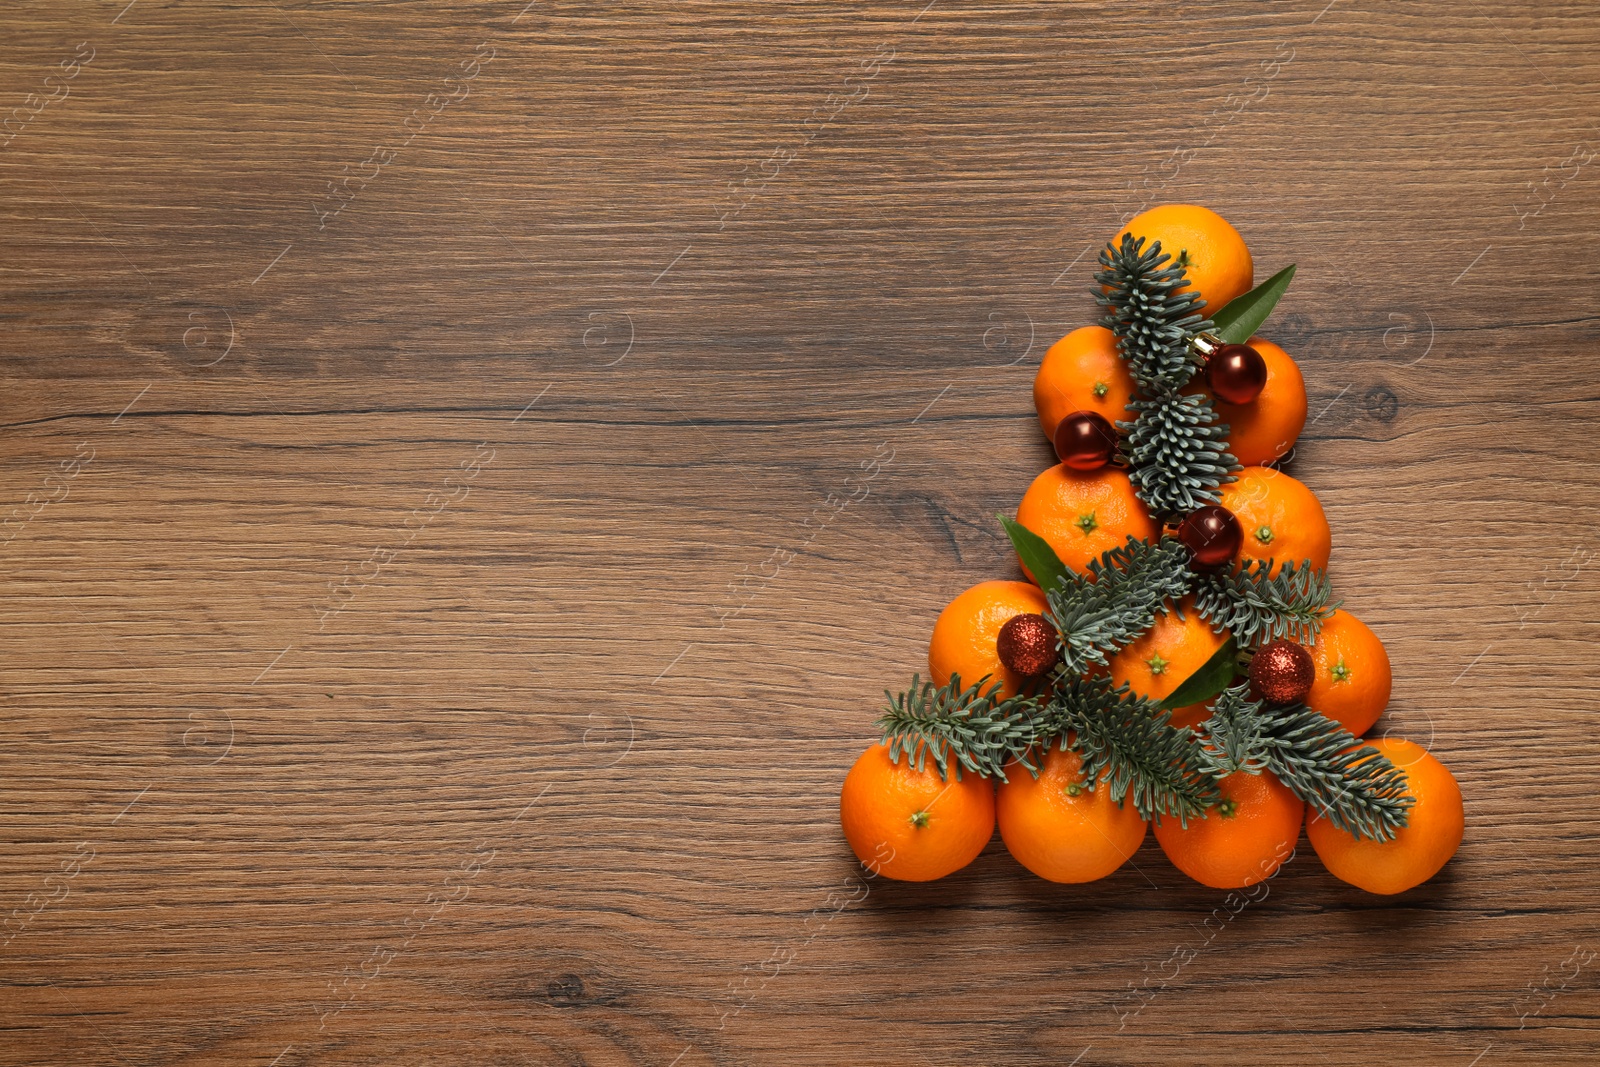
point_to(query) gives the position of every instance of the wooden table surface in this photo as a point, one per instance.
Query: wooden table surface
(472, 470)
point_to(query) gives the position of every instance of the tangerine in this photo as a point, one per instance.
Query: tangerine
(1058, 827)
(913, 825)
(1082, 372)
(965, 635)
(1419, 849)
(1213, 255)
(1353, 678)
(1282, 519)
(1155, 664)
(1266, 428)
(1242, 840)
(1084, 513)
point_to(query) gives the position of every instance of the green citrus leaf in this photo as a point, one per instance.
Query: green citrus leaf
(1036, 554)
(1244, 315)
(1215, 675)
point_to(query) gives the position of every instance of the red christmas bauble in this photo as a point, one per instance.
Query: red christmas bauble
(1212, 535)
(1085, 441)
(1281, 672)
(1027, 644)
(1236, 373)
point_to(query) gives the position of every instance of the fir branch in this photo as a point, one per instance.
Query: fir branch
(1352, 785)
(1178, 451)
(1116, 600)
(1152, 324)
(1235, 733)
(981, 731)
(1256, 606)
(1129, 741)
(1176, 446)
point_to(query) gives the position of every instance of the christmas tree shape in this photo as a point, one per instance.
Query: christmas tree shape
(1068, 735)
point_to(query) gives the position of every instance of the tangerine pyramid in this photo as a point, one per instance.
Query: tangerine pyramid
(1176, 656)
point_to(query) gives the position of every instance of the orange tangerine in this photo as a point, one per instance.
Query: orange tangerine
(913, 825)
(1155, 664)
(1082, 372)
(1432, 833)
(1281, 519)
(1352, 679)
(1267, 428)
(967, 629)
(1213, 255)
(1059, 828)
(1084, 513)
(1240, 841)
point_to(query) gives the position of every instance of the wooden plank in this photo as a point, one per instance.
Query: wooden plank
(442, 605)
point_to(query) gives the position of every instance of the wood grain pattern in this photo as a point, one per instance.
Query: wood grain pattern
(437, 628)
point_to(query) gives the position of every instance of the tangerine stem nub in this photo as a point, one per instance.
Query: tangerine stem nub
(919, 819)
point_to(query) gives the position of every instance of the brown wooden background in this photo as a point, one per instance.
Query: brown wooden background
(438, 637)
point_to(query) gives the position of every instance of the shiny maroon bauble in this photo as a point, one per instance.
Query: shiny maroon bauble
(1027, 644)
(1281, 672)
(1236, 373)
(1085, 441)
(1212, 535)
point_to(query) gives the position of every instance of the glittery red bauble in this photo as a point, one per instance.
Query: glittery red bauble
(1281, 672)
(1085, 441)
(1212, 535)
(1027, 644)
(1236, 373)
